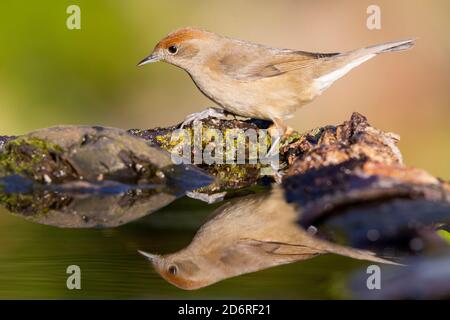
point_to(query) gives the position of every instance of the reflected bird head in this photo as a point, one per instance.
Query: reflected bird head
(180, 271)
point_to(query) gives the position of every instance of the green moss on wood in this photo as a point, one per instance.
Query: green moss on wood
(34, 158)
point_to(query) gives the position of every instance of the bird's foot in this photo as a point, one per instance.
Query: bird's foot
(209, 112)
(208, 198)
(278, 176)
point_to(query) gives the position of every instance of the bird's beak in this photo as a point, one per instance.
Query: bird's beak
(150, 59)
(149, 256)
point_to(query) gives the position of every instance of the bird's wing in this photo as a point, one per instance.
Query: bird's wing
(260, 62)
(281, 248)
(250, 251)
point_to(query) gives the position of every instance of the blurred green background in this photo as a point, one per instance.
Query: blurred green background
(50, 75)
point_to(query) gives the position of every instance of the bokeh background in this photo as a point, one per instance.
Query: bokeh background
(50, 75)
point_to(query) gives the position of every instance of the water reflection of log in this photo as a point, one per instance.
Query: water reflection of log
(424, 278)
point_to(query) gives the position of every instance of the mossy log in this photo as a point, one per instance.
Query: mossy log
(68, 153)
(327, 167)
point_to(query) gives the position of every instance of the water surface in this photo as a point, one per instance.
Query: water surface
(34, 258)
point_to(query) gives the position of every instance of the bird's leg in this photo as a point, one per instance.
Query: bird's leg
(208, 112)
(274, 148)
(278, 132)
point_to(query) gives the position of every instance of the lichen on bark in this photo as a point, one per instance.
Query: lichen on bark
(228, 175)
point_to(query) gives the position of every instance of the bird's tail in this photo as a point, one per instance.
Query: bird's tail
(337, 66)
(388, 47)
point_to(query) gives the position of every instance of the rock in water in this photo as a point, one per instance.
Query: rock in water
(69, 153)
(82, 176)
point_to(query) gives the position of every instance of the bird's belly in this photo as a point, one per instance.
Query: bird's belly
(262, 99)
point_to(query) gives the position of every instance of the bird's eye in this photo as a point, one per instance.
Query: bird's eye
(172, 49)
(173, 270)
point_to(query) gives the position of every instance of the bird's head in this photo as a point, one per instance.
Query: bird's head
(179, 270)
(184, 48)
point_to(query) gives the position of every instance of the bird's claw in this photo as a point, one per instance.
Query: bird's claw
(209, 112)
(278, 176)
(208, 198)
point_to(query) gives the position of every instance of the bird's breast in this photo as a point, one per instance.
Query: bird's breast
(265, 98)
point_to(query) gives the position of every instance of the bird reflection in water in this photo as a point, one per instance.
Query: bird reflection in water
(248, 234)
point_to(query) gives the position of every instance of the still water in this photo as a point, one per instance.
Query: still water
(34, 258)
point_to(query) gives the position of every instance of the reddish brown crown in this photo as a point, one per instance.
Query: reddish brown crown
(181, 35)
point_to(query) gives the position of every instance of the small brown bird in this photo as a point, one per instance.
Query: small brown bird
(257, 81)
(248, 234)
